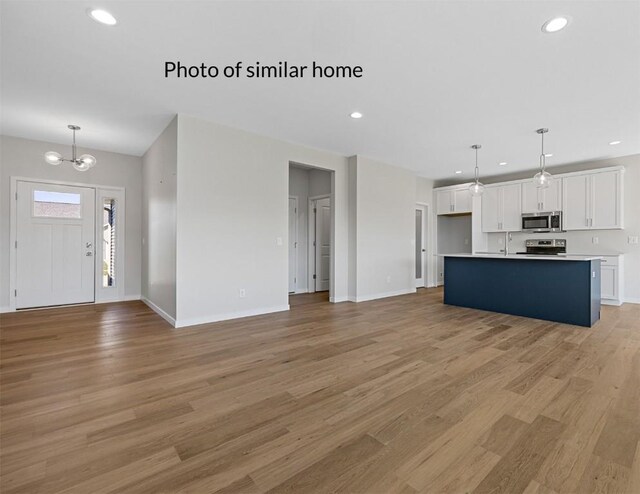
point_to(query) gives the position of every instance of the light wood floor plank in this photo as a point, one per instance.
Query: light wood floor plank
(400, 395)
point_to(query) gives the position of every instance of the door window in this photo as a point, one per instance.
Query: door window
(48, 204)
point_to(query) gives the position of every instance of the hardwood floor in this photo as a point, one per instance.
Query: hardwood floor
(399, 395)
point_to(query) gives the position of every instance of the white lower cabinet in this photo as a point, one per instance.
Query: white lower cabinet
(611, 287)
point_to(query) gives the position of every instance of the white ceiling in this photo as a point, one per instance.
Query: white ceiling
(438, 76)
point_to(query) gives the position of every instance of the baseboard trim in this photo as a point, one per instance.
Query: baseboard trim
(630, 300)
(159, 311)
(376, 296)
(337, 300)
(605, 301)
(301, 290)
(6, 309)
(182, 323)
(128, 298)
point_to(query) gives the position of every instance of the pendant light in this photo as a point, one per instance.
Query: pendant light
(82, 164)
(543, 178)
(476, 188)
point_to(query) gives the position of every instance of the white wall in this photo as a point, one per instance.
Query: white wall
(24, 158)
(609, 241)
(385, 237)
(159, 176)
(232, 206)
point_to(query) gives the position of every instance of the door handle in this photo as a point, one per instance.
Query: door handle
(88, 245)
(89, 254)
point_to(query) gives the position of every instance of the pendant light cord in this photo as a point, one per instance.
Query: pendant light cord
(476, 171)
(542, 156)
(73, 147)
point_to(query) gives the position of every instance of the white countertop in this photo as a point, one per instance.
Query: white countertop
(526, 257)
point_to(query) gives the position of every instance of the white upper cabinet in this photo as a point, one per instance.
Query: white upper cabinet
(451, 201)
(511, 211)
(444, 201)
(501, 210)
(462, 200)
(575, 199)
(606, 200)
(491, 209)
(535, 200)
(592, 201)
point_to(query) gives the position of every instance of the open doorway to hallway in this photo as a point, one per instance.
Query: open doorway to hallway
(310, 230)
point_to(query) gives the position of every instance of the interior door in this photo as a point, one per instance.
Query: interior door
(421, 250)
(293, 243)
(55, 245)
(323, 243)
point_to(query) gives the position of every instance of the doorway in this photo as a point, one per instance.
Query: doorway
(67, 243)
(421, 246)
(311, 230)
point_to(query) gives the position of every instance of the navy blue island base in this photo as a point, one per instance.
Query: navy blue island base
(566, 291)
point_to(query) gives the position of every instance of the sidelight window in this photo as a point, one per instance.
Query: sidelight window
(108, 242)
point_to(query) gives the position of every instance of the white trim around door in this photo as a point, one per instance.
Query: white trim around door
(293, 244)
(421, 245)
(104, 291)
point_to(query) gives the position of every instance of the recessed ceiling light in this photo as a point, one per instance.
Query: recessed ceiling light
(613, 143)
(102, 16)
(554, 25)
(548, 155)
(458, 172)
(356, 114)
(502, 163)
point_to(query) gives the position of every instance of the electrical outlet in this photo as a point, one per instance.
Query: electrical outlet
(466, 241)
(632, 240)
(278, 240)
(388, 279)
(500, 241)
(594, 240)
(242, 293)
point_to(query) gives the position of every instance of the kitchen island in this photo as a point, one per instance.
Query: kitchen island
(563, 289)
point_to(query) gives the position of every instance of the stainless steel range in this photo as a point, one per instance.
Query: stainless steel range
(546, 247)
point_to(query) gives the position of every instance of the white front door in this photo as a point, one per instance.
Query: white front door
(293, 243)
(322, 209)
(421, 246)
(55, 245)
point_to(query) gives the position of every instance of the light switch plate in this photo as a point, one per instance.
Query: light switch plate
(278, 240)
(632, 239)
(594, 240)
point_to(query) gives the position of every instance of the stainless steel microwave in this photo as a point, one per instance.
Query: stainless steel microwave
(542, 222)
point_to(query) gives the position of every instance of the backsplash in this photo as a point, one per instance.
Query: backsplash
(578, 242)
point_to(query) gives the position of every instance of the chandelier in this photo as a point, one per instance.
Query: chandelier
(82, 164)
